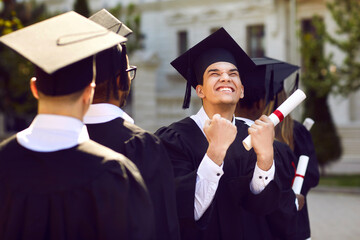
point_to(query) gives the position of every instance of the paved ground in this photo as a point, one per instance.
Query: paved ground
(334, 215)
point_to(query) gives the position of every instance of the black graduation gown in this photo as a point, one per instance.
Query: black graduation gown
(303, 145)
(84, 192)
(186, 146)
(149, 155)
(280, 224)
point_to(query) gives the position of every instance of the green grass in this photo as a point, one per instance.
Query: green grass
(340, 180)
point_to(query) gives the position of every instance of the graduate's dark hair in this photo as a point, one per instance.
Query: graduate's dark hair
(67, 80)
(111, 64)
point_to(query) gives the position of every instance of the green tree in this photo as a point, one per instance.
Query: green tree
(82, 7)
(346, 14)
(132, 18)
(318, 79)
(17, 103)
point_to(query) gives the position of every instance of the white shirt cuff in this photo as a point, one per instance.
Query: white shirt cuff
(261, 178)
(207, 181)
(210, 170)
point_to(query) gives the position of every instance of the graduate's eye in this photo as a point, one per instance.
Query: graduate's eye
(214, 74)
(233, 74)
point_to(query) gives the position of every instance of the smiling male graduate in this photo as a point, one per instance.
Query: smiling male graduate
(216, 177)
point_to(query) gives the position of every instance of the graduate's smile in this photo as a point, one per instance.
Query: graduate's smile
(226, 89)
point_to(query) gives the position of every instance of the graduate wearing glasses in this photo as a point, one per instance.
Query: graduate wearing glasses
(109, 125)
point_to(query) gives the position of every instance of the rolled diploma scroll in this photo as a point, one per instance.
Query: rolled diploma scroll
(281, 112)
(300, 174)
(308, 123)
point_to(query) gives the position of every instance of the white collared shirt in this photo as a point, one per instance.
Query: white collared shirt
(209, 174)
(105, 112)
(49, 133)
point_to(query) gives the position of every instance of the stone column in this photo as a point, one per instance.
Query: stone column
(144, 89)
(354, 107)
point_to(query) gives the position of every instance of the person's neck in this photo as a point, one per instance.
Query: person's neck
(225, 111)
(247, 113)
(70, 110)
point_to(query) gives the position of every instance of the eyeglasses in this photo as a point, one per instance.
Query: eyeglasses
(132, 72)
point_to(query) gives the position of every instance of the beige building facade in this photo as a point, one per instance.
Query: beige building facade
(261, 27)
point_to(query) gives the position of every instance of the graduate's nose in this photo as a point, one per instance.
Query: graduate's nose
(225, 77)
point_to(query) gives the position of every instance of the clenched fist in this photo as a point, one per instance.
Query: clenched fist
(262, 138)
(220, 133)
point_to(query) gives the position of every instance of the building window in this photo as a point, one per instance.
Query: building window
(255, 41)
(182, 42)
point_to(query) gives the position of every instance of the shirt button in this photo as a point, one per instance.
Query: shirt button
(260, 177)
(218, 174)
(266, 178)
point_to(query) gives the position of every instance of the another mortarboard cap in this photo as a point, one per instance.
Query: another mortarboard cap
(254, 81)
(281, 72)
(217, 47)
(271, 73)
(112, 62)
(107, 20)
(60, 43)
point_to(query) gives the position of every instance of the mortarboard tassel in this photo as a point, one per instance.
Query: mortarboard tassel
(296, 84)
(271, 87)
(187, 96)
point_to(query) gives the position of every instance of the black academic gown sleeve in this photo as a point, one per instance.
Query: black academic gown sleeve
(186, 146)
(283, 221)
(147, 152)
(84, 192)
(280, 223)
(303, 145)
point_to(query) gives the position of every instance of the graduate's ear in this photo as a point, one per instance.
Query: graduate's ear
(88, 93)
(242, 91)
(33, 88)
(199, 91)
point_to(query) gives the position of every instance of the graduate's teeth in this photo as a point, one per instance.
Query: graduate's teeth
(225, 89)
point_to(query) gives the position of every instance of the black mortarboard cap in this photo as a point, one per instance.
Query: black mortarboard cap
(57, 47)
(281, 72)
(270, 73)
(218, 47)
(254, 81)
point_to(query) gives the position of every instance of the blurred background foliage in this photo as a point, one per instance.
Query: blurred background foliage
(321, 77)
(17, 104)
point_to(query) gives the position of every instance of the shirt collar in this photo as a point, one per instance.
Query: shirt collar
(105, 112)
(201, 117)
(247, 121)
(48, 133)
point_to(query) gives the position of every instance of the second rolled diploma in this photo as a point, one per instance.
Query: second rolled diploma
(300, 174)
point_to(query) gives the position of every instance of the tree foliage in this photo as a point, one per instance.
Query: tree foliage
(318, 78)
(346, 14)
(130, 15)
(82, 7)
(16, 103)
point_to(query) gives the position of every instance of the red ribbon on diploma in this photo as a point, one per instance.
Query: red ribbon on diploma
(298, 175)
(279, 115)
